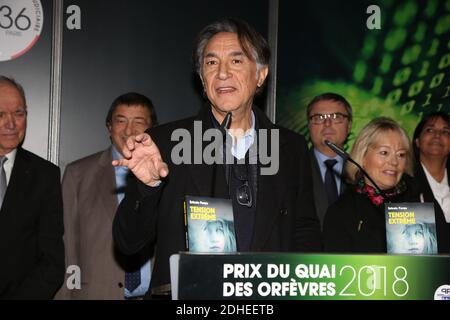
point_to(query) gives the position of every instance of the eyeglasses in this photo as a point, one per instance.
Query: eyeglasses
(442, 132)
(336, 117)
(243, 192)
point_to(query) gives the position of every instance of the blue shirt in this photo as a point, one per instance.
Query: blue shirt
(146, 272)
(337, 168)
(240, 146)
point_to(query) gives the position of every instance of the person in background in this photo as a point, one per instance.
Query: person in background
(431, 142)
(31, 215)
(92, 190)
(355, 223)
(329, 118)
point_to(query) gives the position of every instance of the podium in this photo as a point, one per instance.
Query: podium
(290, 276)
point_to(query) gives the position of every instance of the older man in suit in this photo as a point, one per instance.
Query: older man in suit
(329, 118)
(92, 189)
(273, 209)
(31, 217)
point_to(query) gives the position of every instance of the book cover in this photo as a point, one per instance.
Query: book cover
(209, 225)
(410, 228)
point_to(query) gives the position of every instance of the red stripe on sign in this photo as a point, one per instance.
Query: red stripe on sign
(26, 49)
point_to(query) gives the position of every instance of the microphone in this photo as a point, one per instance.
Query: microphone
(339, 151)
(223, 129)
(225, 124)
(347, 157)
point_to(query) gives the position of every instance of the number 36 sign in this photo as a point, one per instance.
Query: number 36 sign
(20, 26)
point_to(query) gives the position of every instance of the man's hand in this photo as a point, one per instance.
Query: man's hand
(142, 157)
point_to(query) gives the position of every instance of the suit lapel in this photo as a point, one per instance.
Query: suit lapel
(107, 184)
(428, 196)
(202, 174)
(425, 185)
(320, 194)
(267, 197)
(202, 177)
(18, 182)
(266, 210)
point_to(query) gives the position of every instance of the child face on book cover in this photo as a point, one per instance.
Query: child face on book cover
(411, 240)
(215, 237)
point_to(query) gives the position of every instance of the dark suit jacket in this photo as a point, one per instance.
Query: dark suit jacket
(442, 227)
(320, 194)
(353, 224)
(90, 203)
(285, 219)
(31, 230)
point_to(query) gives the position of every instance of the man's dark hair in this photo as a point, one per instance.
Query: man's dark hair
(133, 98)
(421, 125)
(253, 44)
(12, 82)
(330, 96)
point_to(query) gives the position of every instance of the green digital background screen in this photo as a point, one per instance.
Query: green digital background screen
(400, 71)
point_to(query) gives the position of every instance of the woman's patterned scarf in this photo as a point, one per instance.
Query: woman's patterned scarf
(375, 196)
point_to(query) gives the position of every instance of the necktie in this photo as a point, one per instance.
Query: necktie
(3, 185)
(132, 279)
(330, 181)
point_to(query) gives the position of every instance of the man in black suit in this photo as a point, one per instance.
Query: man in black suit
(329, 118)
(31, 215)
(272, 202)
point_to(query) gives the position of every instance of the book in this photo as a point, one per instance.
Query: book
(209, 225)
(410, 228)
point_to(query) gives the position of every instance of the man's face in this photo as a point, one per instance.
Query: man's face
(229, 77)
(128, 120)
(13, 118)
(329, 129)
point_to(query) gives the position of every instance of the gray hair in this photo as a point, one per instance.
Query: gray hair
(11, 82)
(253, 44)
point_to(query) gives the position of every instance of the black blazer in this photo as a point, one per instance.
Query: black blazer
(442, 227)
(320, 194)
(285, 220)
(31, 230)
(353, 224)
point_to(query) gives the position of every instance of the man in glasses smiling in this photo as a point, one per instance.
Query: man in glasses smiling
(329, 118)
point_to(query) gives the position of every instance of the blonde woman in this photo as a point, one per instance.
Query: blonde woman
(356, 223)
